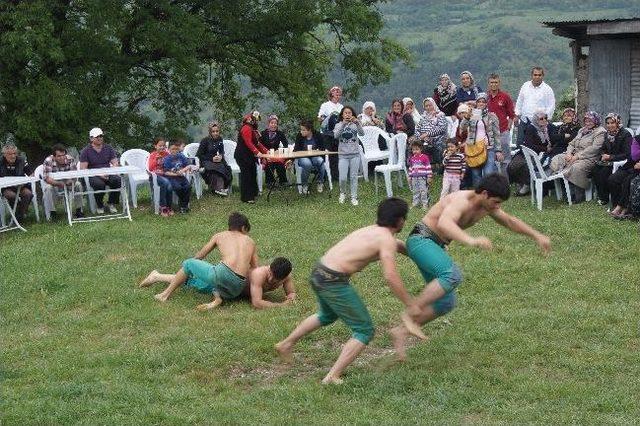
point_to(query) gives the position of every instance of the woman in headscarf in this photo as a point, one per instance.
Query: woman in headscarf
(468, 91)
(248, 148)
(274, 138)
(217, 173)
(537, 138)
(368, 115)
(621, 182)
(581, 155)
(409, 107)
(483, 127)
(616, 147)
(445, 96)
(432, 131)
(565, 133)
(397, 122)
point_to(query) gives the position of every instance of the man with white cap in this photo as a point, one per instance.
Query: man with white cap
(96, 155)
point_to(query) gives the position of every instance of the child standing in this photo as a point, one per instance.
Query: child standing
(420, 175)
(346, 132)
(176, 166)
(454, 168)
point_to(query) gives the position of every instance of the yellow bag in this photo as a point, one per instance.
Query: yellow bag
(476, 153)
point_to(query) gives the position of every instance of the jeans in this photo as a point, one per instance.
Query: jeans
(165, 190)
(348, 166)
(521, 125)
(488, 167)
(308, 165)
(99, 184)
(181, 186)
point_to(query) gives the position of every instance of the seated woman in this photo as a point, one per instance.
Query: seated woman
(217, 173)
(397, 121)
(309, 137)
(620, 181)
(368, 116)
(273, 138)
(432, 132)
(581, 155)
(537, 138)
(616, 146)
(565, 133)
(409, 110)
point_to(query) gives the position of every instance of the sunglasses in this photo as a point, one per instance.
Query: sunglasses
(543, 119)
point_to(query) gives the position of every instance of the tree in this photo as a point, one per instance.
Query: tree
(69, 65)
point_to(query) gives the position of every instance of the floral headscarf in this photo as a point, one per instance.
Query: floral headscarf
(616, 119)
(436, 110)
(449, 88)
(572, 111)
(473, 81)
(593, 116)
(543, 131)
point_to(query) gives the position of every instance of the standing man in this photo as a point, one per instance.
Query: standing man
(60, 161)
(12, 165)
(328, 117)
(534, 95)
(444, 223)
(97, 155)
(336, 296)
(501, 104)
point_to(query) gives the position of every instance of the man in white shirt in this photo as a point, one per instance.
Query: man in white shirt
(534, 95)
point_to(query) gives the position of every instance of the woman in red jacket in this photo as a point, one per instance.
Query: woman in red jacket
(248, 148)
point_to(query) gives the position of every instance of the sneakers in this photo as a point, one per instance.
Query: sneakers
(184, 210)
(342, 197)
(524, 190)
(100, 210)
(221, 192)
(112, 208)
(79, 214)
(354, 201)
(305, 190)
(602, 203)
(320, 187)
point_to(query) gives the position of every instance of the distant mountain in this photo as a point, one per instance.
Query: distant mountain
(483, 37)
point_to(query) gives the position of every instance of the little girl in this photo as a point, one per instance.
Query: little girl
(420, 175)
(346, 132)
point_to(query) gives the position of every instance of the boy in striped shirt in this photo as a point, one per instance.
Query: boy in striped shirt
(454, 168)
(420, 175)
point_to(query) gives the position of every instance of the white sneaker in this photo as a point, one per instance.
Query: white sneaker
(100, 210)
(354, 201)
(112, 208)
(524, 190)
(320, 187)
(305, 189)
(342, 198)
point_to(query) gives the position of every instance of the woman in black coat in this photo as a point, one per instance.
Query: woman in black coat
(616, 147)
(217, 173)
(273, 138)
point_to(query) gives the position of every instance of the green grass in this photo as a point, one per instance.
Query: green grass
(533, 339)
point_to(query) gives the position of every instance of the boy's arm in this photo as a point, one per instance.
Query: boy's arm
(204, 251)
(516, 225)
(289, 288)
(448, 227)
(401, 247)
(257, 279)
(388, 263)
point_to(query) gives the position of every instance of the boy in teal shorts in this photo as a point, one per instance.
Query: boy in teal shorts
(336, 296)
(445, 222)
(224, 280)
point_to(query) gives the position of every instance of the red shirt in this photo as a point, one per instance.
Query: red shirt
(502, 106)
(155, 161)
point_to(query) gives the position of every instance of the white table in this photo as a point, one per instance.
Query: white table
(123, 171)
(8, 182)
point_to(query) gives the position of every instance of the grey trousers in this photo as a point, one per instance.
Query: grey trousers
(348, 165)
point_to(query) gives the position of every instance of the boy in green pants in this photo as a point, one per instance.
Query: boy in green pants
(338, 299)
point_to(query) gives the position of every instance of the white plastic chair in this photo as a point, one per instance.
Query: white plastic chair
(229, 151)
(90, 194)
(617, 165)
(327, 174)
(397, 163)
(371, 151)
(139, 159)
(195, 177)
(538, 177)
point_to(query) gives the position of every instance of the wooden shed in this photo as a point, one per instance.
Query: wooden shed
(606, 65)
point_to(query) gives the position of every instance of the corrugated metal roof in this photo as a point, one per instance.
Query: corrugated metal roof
(588, 21)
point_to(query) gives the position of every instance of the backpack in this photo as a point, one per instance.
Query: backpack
(634, 196)
(329, 122)
(476, 153)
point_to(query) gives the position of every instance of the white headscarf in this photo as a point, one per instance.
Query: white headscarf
(365, 120)
(415, 114)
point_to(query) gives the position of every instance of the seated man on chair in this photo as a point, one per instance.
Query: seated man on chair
(12, 165)
(97, 155)
(309, 137)
(60, 161)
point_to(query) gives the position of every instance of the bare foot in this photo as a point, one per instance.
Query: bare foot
(330, 380)
(160, 297)
(208, 306)
(412, 327)
(284, 352)
(399, 337)
(151, 278)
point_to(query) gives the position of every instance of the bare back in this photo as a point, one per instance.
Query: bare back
(460, 205)
(237, 250)
(358, 249)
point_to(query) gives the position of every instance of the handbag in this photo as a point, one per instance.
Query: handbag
(476, 153)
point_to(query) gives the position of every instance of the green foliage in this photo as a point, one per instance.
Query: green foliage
(533, 340)
(140, 68)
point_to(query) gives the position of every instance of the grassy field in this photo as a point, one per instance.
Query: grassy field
(533, 339)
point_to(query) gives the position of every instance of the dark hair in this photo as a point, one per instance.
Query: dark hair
(353, 111)
(390, 211)
(237, 221)
(496, 185)
(58, 148)
(176, 142)
(537, 68)
(453, 141)
(281, 267)
(397, 101)
(158, 139)
(493, 76)
(307, 124)
(416, 144)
